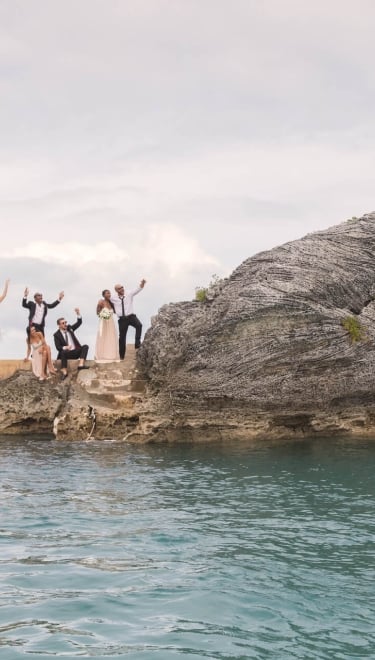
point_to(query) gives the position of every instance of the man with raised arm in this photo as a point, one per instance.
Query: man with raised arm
(38, 309)
(68, 346)
(123, 304)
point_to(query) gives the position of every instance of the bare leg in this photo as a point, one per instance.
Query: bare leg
(44, 366)
(50, 366)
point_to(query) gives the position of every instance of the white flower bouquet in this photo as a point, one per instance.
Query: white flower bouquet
(105, 314)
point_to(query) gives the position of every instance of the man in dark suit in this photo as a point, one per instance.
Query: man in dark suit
(68, 346)
(38, 309)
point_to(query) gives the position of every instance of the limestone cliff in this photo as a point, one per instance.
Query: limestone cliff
(265, 355)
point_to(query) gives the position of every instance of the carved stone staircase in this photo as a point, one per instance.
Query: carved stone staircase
(103, 400)
(112, 381)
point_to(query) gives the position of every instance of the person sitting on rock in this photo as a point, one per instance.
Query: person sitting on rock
(68, 346)
(41, 360)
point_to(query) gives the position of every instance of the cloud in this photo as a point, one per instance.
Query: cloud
(77, 254)
(158, 244)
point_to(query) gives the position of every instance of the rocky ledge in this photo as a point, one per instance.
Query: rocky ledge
(100, 403)
(284, 347)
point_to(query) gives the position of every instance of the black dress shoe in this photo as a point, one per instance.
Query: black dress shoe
(83, 367)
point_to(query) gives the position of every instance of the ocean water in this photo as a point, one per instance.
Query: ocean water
(159, 552)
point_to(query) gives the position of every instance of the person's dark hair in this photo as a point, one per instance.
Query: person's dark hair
(28, 332)
(60, 319)
(110, 301)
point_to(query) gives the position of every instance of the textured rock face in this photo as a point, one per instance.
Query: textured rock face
(267, 354)
(27, 406)
(100, 403)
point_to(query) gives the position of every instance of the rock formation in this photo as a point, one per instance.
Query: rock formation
(284, 347)
(99, 403)
(266, 355)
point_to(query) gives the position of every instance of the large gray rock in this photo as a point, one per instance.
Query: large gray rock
(267, 354)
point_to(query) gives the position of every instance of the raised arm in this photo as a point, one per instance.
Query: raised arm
(24, 299)
(78, 321)
(56, 302)
(139, 288)
(5, 290)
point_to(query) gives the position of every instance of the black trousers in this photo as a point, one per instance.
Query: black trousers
(75, 354)
(123, 324)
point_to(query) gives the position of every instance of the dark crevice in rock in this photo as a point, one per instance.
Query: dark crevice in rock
(358, 309)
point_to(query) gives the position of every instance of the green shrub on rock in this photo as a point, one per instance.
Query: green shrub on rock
(200, 293)
(354, 328)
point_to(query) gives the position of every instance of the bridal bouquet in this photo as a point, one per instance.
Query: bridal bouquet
(105, 314)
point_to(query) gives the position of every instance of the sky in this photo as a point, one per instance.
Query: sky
(171, 140)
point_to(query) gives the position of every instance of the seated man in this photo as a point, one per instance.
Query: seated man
(68, 346)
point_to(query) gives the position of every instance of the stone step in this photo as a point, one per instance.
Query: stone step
(112, 381)
(98, 385)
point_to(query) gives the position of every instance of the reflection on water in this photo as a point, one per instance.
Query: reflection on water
(248, 551)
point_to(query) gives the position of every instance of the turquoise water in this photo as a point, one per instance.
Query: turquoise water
(161, 552)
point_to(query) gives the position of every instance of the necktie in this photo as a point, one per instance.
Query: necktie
(66, 337)
(122, 305)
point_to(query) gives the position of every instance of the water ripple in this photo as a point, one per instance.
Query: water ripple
(261, 551)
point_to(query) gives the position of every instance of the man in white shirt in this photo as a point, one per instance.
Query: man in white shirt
(38, 309)
(123, 304)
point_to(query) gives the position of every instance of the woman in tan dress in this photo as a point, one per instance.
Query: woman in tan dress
(106, 347)
(41, 360)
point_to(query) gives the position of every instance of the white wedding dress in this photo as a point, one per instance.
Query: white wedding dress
(106, 346)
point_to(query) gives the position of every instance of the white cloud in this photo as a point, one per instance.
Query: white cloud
(162, 245)
(77, 254)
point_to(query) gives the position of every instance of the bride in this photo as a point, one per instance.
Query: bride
(106, 347)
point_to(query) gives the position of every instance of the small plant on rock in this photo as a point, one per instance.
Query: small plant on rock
(200, 293)
(354, 328)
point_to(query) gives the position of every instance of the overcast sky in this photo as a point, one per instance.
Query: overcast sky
(171, 140)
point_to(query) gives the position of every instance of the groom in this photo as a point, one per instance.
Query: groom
(68, 346)
(123, 304)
